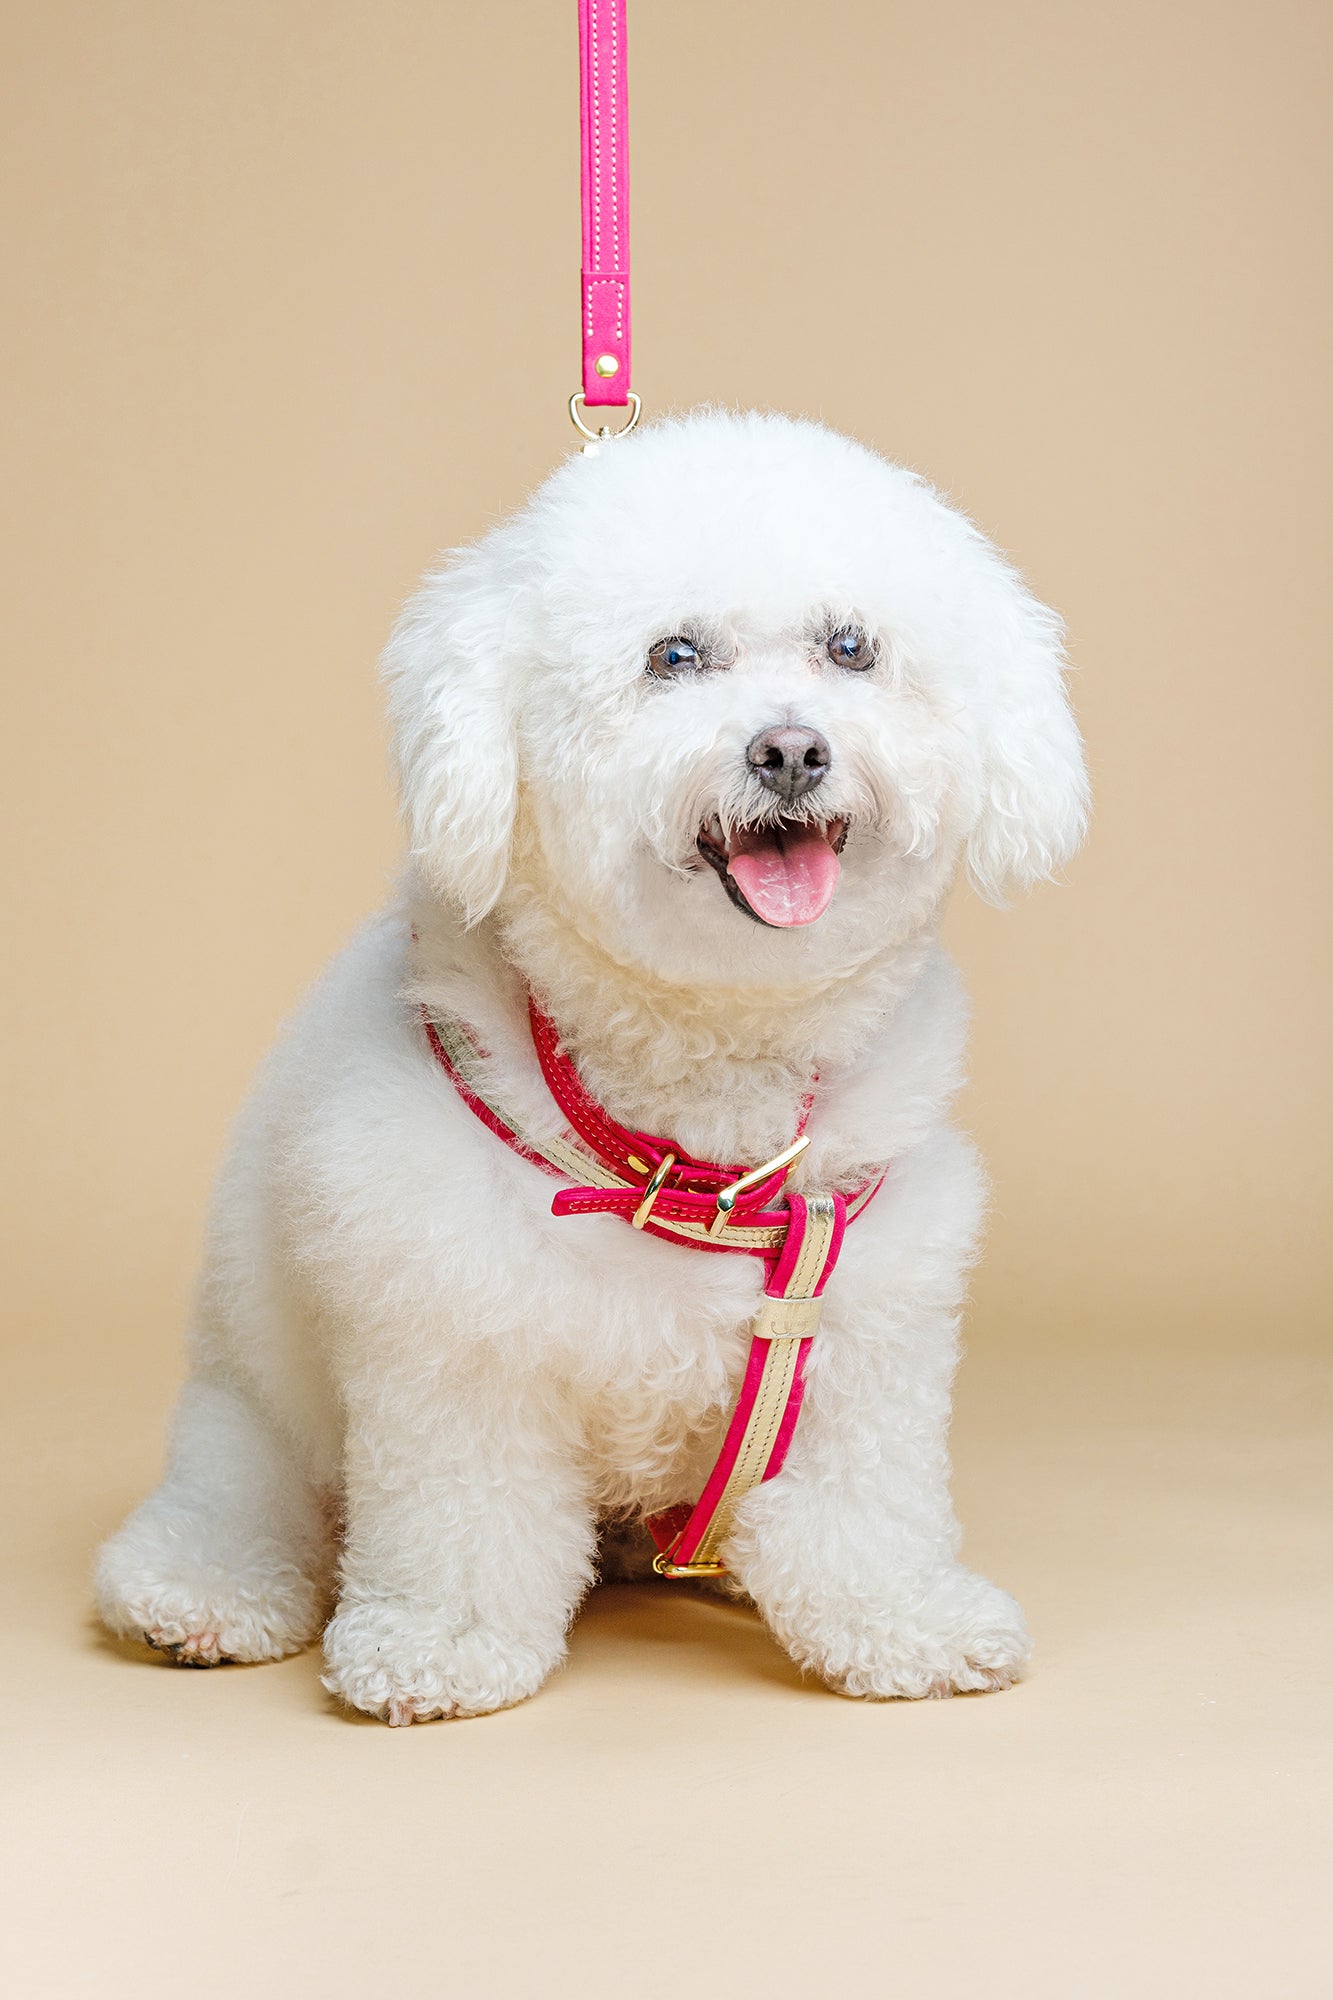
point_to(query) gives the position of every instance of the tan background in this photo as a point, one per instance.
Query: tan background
(292, 304)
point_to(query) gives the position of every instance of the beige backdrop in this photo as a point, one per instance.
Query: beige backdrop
(292, 292)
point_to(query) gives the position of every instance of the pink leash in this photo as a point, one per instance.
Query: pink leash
(604, 313)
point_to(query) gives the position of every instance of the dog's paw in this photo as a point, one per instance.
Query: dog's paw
(950, 1633)
(405, 1665)
(194, 1649)
(200, 1614)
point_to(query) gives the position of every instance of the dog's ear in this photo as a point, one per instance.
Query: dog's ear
(448, 667)
(1034, 787)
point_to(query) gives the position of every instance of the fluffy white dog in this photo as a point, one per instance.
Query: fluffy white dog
(691, 749)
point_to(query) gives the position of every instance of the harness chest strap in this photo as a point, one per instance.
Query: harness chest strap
(669, 1194)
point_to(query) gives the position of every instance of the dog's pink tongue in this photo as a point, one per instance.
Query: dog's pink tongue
(786, 874)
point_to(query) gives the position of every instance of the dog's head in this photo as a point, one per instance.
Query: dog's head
(735, 696)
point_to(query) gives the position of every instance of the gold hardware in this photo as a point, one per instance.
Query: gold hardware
(653, 1189)
(604, 434)
(665, 1567)
(639, 1166)
(607, 365)
(726, 1200)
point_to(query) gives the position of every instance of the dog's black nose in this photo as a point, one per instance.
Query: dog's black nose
(788, 760)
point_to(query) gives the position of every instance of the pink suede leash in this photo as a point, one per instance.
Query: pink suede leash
(665, 1191)
(605, 198)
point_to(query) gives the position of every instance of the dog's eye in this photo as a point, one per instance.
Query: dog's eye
(850, 647)
(673, 656)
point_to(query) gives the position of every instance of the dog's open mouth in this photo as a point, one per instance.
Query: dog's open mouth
(782, 873)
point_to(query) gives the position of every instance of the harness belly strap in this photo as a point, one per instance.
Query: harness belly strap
(709, 1207)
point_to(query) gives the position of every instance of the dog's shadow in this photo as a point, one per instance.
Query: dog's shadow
(696, 1636)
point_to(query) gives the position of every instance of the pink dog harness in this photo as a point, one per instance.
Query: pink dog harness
(666, 1191)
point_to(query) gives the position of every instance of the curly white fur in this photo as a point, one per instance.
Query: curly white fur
(392, 1329)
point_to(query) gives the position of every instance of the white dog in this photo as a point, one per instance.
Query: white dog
(691, 750)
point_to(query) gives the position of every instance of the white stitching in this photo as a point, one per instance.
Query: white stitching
(619, 284)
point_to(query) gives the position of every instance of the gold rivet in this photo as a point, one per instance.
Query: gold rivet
(606, 364)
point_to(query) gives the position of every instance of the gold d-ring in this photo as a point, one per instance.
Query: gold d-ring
(653, 1189)
(604, 435)
(664, 1566)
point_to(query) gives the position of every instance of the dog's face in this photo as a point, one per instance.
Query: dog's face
(736, 696)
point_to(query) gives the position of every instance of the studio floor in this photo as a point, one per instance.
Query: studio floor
(678, 1813)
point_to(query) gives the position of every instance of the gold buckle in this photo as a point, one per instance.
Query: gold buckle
(653, 1189)
(727, 1199)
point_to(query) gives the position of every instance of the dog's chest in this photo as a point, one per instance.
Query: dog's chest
(650, 1341)
(623, 1309)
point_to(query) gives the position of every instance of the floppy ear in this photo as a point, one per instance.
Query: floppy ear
(1034, 788)
(447, 666)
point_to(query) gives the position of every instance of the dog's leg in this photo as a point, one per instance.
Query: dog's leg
(469, 1544)
(851, 1552)
(231, 1557)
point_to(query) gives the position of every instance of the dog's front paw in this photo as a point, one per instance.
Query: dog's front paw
(404, 1664)
(252, 1604)
(948, 1633)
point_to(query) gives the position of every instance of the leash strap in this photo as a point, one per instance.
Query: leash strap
(604, 305)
